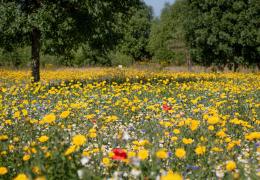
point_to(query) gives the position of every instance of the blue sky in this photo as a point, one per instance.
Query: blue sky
(157, 5)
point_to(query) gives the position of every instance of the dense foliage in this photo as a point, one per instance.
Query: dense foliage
(136, 33)
(167, 40)
(133, 35)
(224, 32)
(86, 33)
(59, 27)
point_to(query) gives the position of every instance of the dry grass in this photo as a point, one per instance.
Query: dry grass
(196, 69)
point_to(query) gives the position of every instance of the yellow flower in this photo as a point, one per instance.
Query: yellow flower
(203, 139)
(176, 131)
(95, 150)
(36, 170)
(252, 136)
(180, 153)
(25, 112)
(8, 122)
(111, 154)
(90, 116)
(25, 148)
(33, 150)
(21, 177)
(49, 118)
(106, 161)
(111, 119)
(26, 157)
(230, 165)
(162, 154)
(79, 140)
(3, 137)
(213, 120)
(64, 114)
(143, 154)
(143, 142)
(47, 154)
(3, 153)
(228, 139)
(16, 139)
(200, 150)
(33, 143)
(174, 138)
(17, 114)
(70, 150)
(187, 141)
(92, 133)
(211, 128)
(216, 149)
(221, 134)
(3, 170)
(43, 139)
(172, 176)
(86, 153)
(92, 130)
(130, 154)
(194, 125)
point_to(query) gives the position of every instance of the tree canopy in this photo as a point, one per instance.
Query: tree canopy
(219, 33)
(136, 33)
(224, 32)
(57, 27)
(167, 40)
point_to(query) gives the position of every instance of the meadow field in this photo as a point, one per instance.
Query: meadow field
(111, 123)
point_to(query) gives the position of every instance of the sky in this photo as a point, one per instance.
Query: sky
(158, 5)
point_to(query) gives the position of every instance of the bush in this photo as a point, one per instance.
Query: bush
(17, 58)
(118, 58)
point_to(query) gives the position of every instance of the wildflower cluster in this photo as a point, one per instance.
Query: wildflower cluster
(129, 124)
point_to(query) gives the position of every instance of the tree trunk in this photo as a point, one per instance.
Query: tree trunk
(236, 67)
(36, 45)
(189, 63)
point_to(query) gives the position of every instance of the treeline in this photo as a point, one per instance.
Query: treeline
(75, 33)
(208, 33)
(86, 33)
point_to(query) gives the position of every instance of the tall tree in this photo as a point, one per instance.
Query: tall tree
(57, 27)
(160, 34)
(136, 32)
(167, 40)
(224, 32)
(129, 40)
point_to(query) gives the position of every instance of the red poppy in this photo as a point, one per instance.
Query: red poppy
(119, 154)
(166, 107)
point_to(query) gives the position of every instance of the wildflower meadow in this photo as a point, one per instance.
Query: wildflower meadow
(129, 124)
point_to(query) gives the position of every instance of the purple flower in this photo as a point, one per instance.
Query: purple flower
(169, 154)
(191, 167)
(257, 144)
